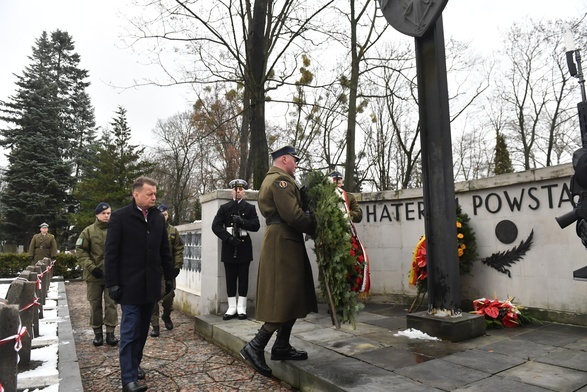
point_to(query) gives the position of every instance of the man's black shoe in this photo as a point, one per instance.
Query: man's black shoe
(142, 374)
(155, 332)
(168, 322)
(98, 340)
(111, 339)
(134, 387)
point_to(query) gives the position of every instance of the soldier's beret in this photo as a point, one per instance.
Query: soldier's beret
(238, 183)
(101, 207)
(287, 150)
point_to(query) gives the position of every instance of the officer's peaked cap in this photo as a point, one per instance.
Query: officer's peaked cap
(287, 150)
(162, 208)
(43, 225)
(238, 183)
(335, 174)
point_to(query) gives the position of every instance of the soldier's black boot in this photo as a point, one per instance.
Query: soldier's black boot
(155, 332)
(98, 339)
(111, 339)
(167, 320)
(254, 352)
(282, 350)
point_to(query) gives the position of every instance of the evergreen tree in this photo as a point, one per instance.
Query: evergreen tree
(503, 164)
(42, 117)
(109, 177)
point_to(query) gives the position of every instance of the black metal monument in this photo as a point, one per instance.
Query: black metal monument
(422, 19)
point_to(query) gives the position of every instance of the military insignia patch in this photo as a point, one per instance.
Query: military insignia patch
(283, 184)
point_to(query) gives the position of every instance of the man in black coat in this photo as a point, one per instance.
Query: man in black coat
(136, 255)
(231, 224)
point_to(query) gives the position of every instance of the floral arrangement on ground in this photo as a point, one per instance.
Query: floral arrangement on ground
(466, 249)
(502, 314)
(335, 255)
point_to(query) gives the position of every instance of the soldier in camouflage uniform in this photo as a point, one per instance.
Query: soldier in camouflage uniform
(89, 250)
(176, 247)
(42, 245)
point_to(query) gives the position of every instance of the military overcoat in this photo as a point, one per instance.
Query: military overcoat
(42, 246)
(137, 254)
(285, 285)
(223, 220)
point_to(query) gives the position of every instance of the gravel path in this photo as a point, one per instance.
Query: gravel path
(178, 360)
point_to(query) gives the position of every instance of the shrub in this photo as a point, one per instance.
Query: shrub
(12, 264)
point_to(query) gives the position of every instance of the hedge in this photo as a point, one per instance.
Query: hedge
(11, 264)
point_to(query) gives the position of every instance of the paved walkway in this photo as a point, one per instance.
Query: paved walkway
(178, 360)
(548, 357)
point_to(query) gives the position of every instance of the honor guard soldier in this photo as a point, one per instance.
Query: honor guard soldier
(232, 224)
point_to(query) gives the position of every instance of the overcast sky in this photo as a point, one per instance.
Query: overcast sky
(97, 26)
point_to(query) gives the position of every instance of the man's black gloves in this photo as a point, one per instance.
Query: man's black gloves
(115, 293)
(237, 220)
(168, 286)
(582, 231)
(233, 241)
(97, 272)
(176, 271)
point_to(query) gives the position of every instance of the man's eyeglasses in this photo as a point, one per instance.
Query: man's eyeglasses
(296, 158)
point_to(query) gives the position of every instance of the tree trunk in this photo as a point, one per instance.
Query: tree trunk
(257, 61)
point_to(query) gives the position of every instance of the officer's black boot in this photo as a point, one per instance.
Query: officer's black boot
(281, 349)
(254, 352)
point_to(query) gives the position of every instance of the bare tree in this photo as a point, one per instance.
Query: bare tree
(534, 88)
(176, 153)
(246, 42)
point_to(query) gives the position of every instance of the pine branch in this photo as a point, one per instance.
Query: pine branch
(501, 260)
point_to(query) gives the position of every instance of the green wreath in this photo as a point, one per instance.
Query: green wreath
(332, 246)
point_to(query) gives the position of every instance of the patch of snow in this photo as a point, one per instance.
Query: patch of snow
(415, 334)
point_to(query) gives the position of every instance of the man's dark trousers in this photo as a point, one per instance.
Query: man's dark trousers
(134, 328)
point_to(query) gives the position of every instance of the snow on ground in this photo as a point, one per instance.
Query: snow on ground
(45, 347)
(415, 334)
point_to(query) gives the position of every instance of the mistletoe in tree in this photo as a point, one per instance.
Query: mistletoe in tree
(332, 245)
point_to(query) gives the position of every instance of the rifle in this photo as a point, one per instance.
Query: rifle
(578, 183)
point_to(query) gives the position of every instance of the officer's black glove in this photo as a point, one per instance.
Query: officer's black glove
(237, 220)
(582, 231)
(97, 272)
(176, 271)
(30, 258)
(115, 293)
(233, 241)
(168, 286)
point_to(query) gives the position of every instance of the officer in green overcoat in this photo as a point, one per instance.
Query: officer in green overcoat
(42, 245)
(285, 285)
